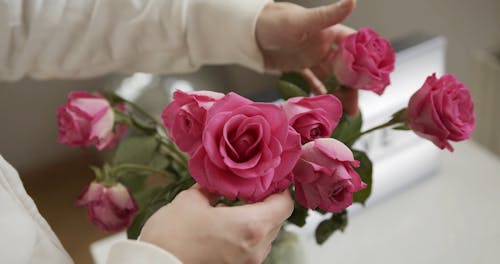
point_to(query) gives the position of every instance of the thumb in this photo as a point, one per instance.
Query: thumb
(198, 193)
(319, 18)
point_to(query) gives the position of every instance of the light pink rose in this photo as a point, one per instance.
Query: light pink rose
(88, 119)
(442, 110)
(184, 117)
(324, 176)
(248, 149)
(364, 60)
(313, 117)
(109, 208)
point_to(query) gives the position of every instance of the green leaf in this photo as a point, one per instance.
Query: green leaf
(331, 83)
(133, 180)
(298, 80)
(325, 229)
(299, 215)
(159, 161)
(365, 171)
(136, 150)
(289, 90)
(348, 126)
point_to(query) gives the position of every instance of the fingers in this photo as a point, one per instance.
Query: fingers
(340, 32)
(349, 99)
(277, 207)
(325, 16)
(316, 85)
(197, 193)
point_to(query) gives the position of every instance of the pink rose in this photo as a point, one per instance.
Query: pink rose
(442, 110)
(88, 119)
(364, 60)
(109, 208)
(324, 176)
(184, 117)
(313, 117)
(248, 149)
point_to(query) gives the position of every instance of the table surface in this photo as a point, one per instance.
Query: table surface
(453, 217)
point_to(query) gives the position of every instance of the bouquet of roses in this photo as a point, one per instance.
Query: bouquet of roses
(245, 151)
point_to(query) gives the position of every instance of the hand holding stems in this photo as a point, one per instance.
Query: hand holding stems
(293, 38)
(190, 219)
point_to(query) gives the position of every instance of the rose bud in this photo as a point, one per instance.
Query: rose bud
(184, 118)
(324, 176)
(109, 208)
(88, 119)
(313, 117)
(248, 148)
(442, 110)
(364, 60)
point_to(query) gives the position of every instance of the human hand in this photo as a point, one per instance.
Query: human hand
(196, 232)
(294, 38)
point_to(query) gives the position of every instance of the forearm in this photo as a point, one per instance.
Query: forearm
(81, 39)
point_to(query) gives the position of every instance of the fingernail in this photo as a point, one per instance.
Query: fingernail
(342, 4)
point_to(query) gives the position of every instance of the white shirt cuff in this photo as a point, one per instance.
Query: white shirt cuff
(135, 251)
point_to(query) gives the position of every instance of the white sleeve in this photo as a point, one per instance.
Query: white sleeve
(79, 39)
(135, 251)
(25, 237)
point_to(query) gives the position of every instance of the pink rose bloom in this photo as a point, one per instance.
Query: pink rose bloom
(442, 110)
(248, 149)
(109, 208)
(184, 117)
(364, 60)
(88, 119)
(324, 176)
(313, 117)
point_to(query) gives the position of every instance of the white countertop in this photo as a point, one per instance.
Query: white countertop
(453, 217)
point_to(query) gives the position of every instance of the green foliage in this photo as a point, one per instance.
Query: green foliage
(137, 150)
(112, 97)
(325, 229)
(292, 84)
(365, 171)
(347, 127)
(299, 215)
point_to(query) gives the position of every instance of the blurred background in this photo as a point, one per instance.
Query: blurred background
(54, 174)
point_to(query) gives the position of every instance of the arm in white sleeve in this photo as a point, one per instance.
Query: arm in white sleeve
(25, 236)
(79, 39)
(135, 251)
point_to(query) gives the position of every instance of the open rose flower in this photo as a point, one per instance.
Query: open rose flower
(88, 119)
(364, 60)
(313, 117)
(442, 110)
(184, 117)
(248, 149)
(324, 176)
(109, 208)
